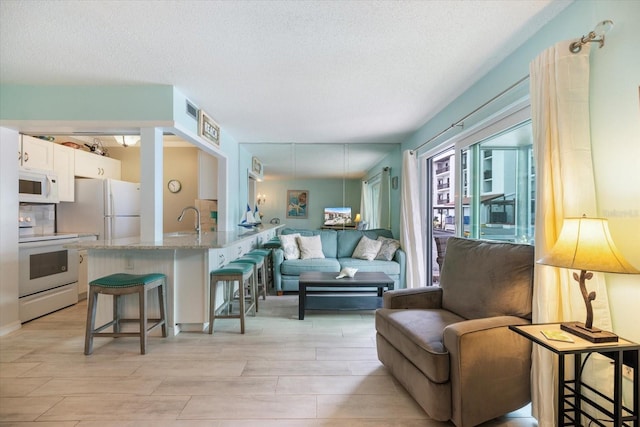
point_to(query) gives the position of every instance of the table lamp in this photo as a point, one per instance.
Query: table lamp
(357, 219)
(586, 245)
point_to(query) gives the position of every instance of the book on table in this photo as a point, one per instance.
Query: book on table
(556, 335)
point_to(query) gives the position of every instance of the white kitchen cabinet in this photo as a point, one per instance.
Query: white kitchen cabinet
(35, 153)
(64, 165)
(83, 269)
(89, 165)
(207, 176)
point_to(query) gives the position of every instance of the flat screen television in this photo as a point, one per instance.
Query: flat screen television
(337, 216)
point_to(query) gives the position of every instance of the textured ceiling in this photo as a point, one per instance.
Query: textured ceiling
(276, 71)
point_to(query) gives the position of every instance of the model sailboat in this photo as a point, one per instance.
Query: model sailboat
(250, 219)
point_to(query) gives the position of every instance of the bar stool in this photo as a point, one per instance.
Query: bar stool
(259, 272)
(271, 245)
(117, 285)
(229, 274)
(266, 254)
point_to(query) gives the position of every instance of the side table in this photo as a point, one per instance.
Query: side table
(571, 400)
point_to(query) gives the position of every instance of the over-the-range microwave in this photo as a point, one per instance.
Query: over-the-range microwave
(38, 186)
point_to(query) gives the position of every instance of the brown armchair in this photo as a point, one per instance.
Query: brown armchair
(450, 346)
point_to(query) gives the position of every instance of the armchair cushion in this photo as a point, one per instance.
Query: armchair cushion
(417, 334)
(485, 279)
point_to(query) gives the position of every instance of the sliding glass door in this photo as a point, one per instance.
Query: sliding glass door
(480, 185)
(498, 196)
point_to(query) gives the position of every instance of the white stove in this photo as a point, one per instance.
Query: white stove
(46, 237)
(48, 273)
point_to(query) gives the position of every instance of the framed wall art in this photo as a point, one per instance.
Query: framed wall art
(256, 166)
(208, 128)
(297, 204)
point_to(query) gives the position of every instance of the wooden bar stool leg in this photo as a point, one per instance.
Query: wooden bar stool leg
(91, 320)
(212, 303)
(116, 313)
(142, 303)
(265, 281)
(254, 287)
(228, 295)
(163, 306)
(254, 294)
(241, 291)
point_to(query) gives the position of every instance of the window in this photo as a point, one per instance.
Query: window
(374, 196)
(481, 184)
(499, 204)
(441, 210)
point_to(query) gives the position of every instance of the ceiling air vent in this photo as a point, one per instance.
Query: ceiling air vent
(192, 110)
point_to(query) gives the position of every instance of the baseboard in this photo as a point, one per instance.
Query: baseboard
(11, 327)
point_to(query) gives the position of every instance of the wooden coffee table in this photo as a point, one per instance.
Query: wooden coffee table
(317, 279)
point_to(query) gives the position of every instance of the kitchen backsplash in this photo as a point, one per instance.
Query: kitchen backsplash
(208, 213)
(43, 218)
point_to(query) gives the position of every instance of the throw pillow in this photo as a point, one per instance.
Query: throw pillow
(367, 249)
(290, 245)
(388, 248)
(310, 247)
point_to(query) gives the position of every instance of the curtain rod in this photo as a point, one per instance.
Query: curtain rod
(594, 36)
(386, 168)
(457, 123)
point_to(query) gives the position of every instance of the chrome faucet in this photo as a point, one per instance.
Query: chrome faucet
(197, 216)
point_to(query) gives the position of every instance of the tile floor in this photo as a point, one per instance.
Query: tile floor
(319, 372)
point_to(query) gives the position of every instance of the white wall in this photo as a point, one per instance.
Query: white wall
(615, 137)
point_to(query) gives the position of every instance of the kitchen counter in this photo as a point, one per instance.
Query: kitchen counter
(184, 240)
(184, 258)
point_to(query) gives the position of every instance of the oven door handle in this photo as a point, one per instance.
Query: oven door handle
(46, 243)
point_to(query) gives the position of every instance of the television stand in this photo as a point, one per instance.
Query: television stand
(339, 227)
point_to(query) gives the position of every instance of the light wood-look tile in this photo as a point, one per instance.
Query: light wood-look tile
(26, 408)
(319, 372)
(116, 407)
(249, 406)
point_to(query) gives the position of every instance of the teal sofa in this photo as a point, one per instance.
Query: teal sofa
(337, 247)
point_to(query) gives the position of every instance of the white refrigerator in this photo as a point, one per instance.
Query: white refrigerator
(107, 207)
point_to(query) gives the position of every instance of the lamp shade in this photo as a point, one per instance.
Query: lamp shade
(586, 244)
(357, 218)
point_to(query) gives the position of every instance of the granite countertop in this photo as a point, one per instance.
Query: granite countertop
(180, 240)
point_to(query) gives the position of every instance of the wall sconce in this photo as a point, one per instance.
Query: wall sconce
(261, 199)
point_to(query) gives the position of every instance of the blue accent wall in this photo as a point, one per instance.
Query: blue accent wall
(147, 103)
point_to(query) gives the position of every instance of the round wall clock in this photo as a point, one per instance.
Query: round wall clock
(174, 185)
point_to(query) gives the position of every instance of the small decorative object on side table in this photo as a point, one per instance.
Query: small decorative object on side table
(571, 400)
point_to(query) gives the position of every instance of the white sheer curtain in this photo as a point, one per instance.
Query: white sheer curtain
(365, 203)
(411, 228)
(384, 200)
(565, 188)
